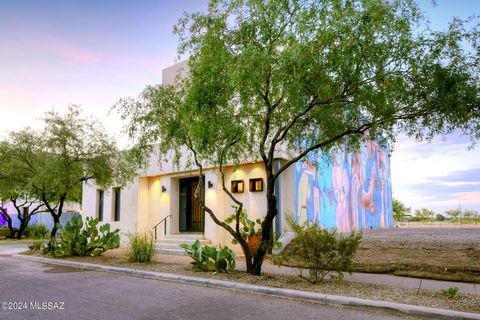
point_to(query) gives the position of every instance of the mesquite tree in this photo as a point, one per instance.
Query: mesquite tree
(70, 151)
(15, 187)
(302, 76)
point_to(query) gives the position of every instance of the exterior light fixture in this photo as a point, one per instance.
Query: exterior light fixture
(210, 184)
(164, 189)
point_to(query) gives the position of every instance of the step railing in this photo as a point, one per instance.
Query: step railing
(164, 221)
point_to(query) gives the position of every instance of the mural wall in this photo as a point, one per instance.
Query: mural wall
(347, 191)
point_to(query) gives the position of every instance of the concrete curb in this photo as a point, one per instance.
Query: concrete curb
(279, 292)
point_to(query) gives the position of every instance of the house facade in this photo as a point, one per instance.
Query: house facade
(347, 191)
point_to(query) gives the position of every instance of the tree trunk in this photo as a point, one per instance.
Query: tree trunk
(248, 264)
(23, 226)
(267, 222)
(11, 229)
(20, 230)
(56, 219)
(9, 224)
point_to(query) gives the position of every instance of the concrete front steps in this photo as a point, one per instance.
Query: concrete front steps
(170, 244)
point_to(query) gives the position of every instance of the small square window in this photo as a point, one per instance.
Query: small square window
(237, 186)
(256, 184)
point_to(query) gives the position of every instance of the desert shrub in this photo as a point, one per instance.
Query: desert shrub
(207, 258)
(451, 292)
(36, 245)
(320, 250)
(141, 248)
(79, 239)
(36, 231)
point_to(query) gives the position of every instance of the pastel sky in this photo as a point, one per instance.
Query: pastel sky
(91, 53)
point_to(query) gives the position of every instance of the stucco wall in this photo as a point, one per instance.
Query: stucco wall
(128, 207)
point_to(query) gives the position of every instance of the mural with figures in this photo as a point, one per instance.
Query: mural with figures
(347, 191)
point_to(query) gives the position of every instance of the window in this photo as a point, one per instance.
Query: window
(100, 194)
(116, 204)
(255, 184)
(237, 186)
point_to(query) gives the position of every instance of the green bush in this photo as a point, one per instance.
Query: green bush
(141, 247)
(79, 239)
(36, 231)
(208, 258)
(36, 245)
(320, 250)
(451, 292)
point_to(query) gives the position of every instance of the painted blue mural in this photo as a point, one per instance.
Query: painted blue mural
(347, 191)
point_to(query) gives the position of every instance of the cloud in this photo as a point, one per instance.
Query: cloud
(40, 43)
(72, 52)
(411, 150)
(461, 187)
(471, 177)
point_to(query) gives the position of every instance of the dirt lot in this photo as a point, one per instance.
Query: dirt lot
(435, 253)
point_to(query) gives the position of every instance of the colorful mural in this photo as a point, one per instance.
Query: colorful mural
(347, 191)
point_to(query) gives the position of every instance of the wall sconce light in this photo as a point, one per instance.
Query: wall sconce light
(164, 189)
(210, 184)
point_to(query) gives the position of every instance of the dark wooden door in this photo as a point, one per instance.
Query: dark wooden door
(192, 217)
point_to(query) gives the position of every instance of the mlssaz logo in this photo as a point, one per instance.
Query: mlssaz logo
(47, 305)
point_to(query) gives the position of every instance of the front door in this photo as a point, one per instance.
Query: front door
(192, 218)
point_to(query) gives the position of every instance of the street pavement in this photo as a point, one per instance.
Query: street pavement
(79, 294)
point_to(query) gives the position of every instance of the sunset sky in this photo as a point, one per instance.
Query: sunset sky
(91, 53)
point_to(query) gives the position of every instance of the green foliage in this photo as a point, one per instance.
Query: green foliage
(141, 248)
(320, 250)
(463, 216)
(207, 258)
(51, 165)
(423, 215)
(470, 214)
(439, 217)
(248, 227)
(451, 292)
(455, 213)
(36, 245)
(400, 211)
(36, 231)
(4, 231)
(79, 239)
(265, 76)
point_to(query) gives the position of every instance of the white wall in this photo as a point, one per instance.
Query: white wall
(128, 207)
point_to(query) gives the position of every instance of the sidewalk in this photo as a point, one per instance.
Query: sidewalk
(373, 278)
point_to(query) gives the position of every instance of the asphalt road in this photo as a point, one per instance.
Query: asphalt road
(78, 294)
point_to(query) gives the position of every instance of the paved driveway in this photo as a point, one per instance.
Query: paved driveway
(8, 246)
(77, 294)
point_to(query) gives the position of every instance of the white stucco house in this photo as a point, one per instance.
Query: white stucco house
(352, 192)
